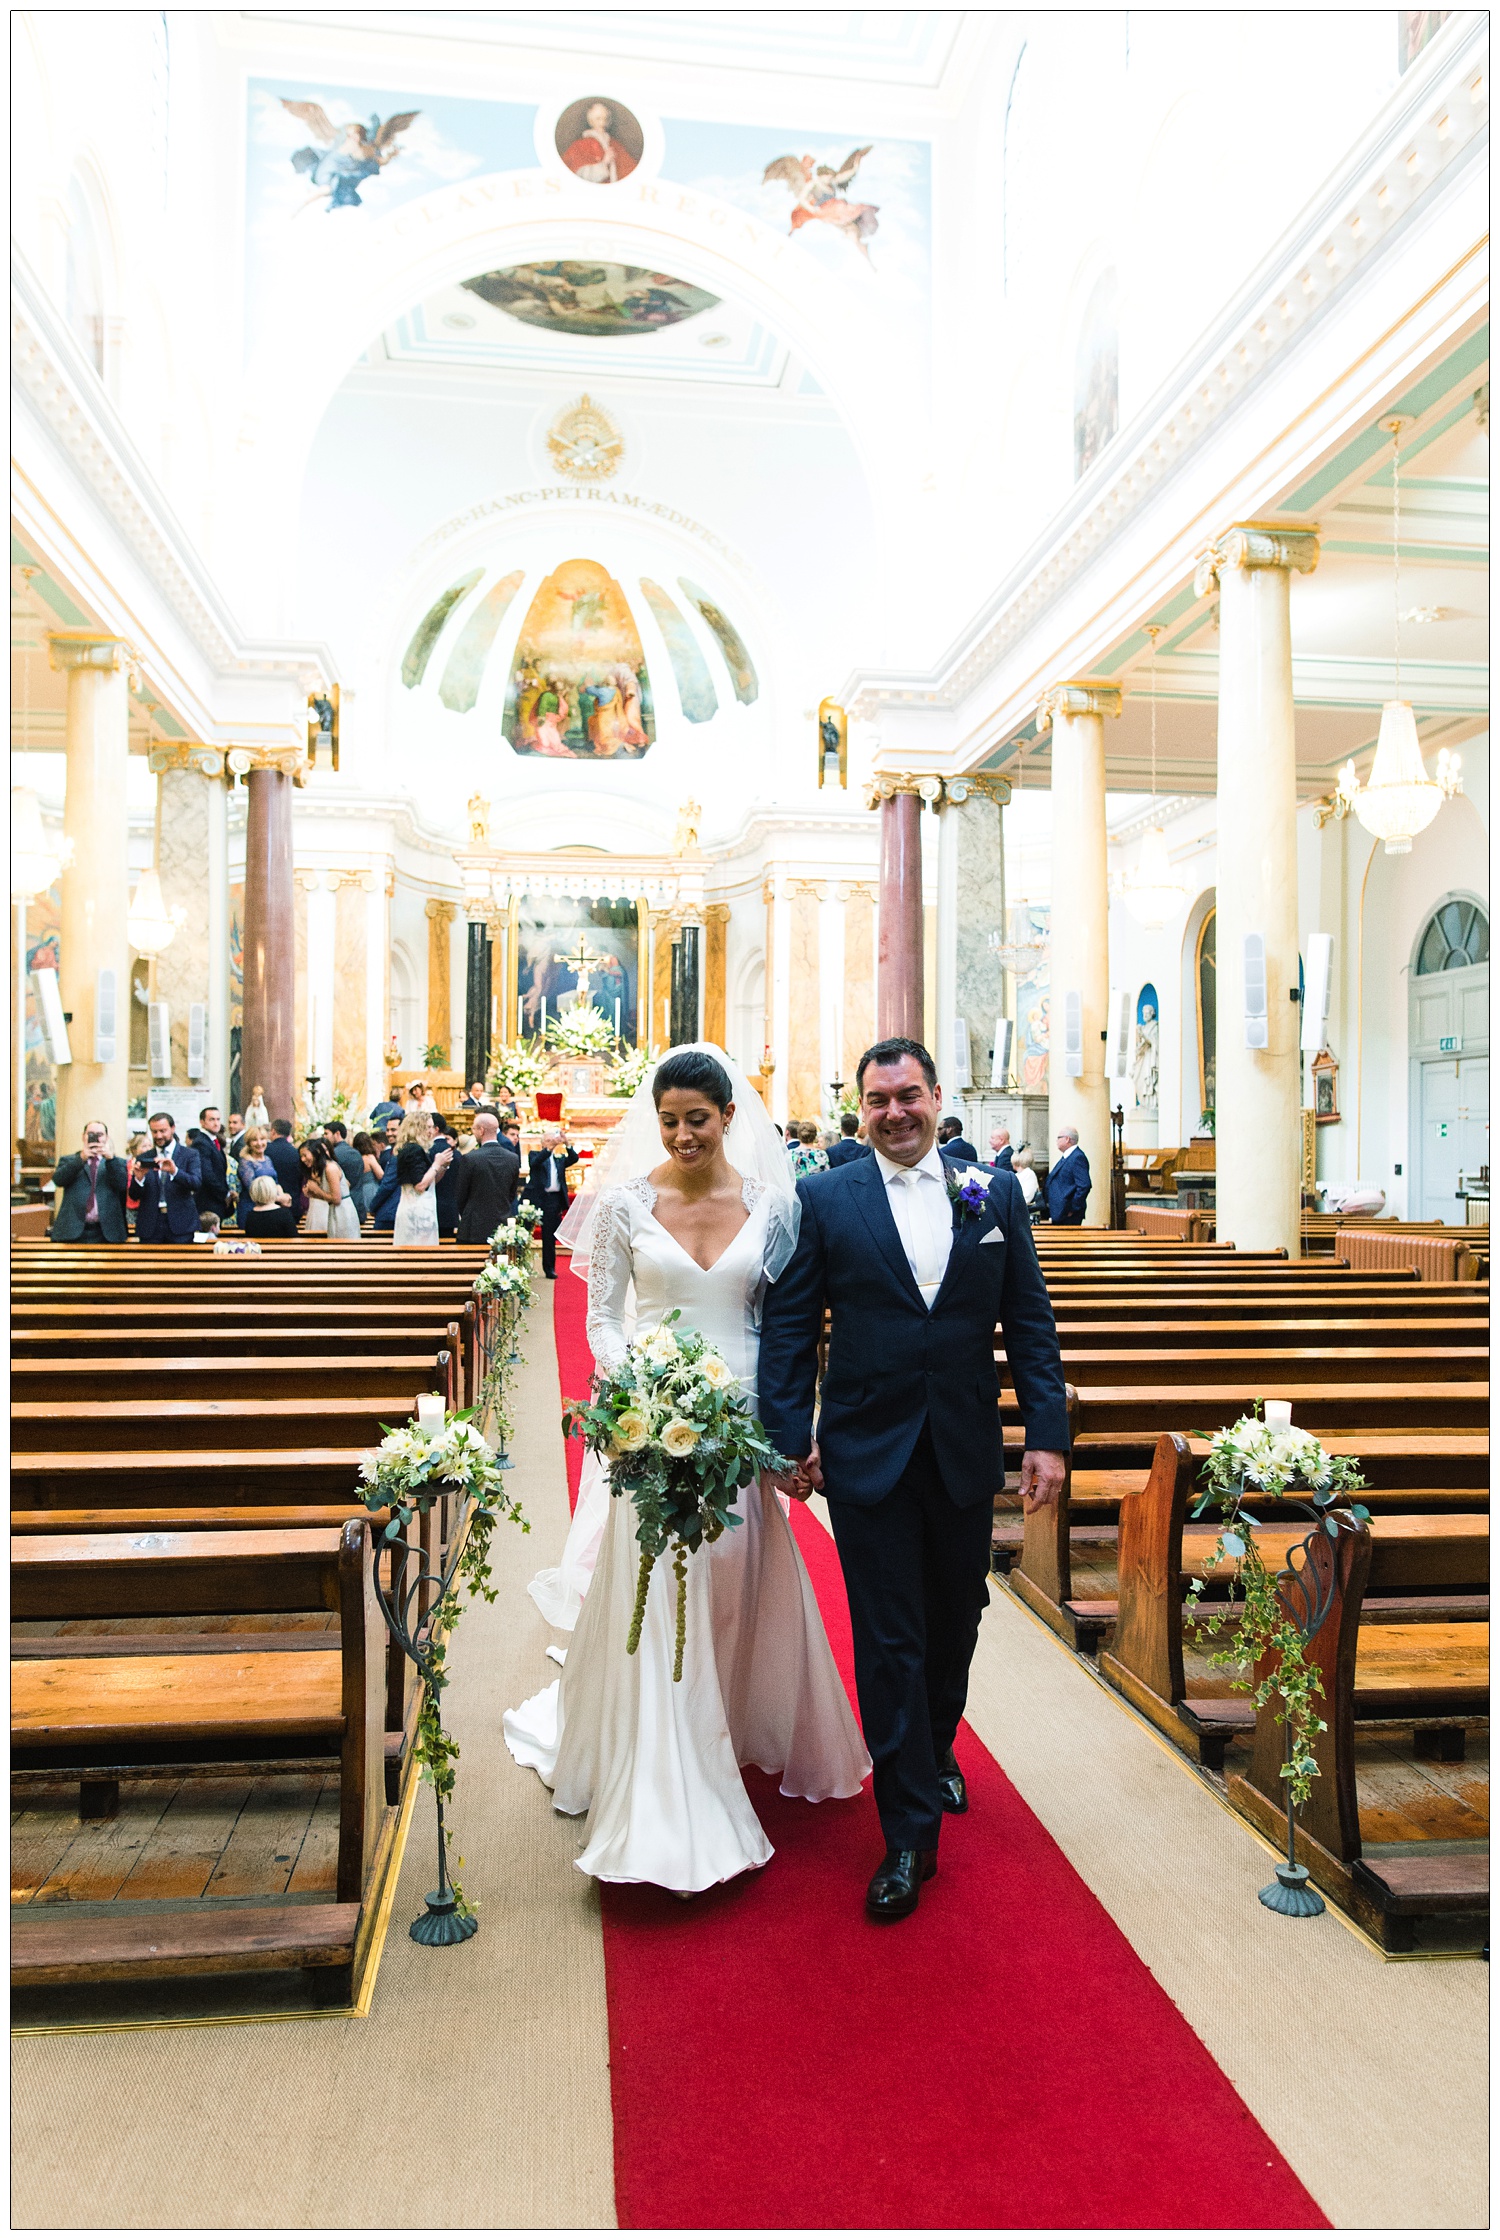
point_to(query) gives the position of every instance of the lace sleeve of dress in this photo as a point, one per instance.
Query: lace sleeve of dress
(609, 1279)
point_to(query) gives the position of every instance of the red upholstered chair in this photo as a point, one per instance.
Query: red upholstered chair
(549, 1104)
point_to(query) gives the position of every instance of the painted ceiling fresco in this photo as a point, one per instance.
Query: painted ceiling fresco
(571, 296)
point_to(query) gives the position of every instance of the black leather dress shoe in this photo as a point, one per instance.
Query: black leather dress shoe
(952, 1785)
(896, 1884)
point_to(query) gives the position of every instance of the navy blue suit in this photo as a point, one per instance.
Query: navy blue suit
(959, 1147)
(168, 1211)
(910, 1444)
(846, 1151)
(387, 1196)
(1000, 1164)
(1068, 1184)
(287, 1161)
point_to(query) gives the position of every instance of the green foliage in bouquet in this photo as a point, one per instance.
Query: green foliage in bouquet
(680, 1438)
(583, 1032)
(519, 1069)
(1252, 1456)
(630, 1069)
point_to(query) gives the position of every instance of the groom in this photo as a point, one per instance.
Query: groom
(909, 1449)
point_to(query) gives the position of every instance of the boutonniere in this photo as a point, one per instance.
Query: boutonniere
(968, 1197)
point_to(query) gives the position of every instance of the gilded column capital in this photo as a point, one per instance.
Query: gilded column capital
(366, 881)
(309, 881)
(986, 785)
(437, 908)
(886, 784)
(716, 913)
(1256, 544)
(1078, 696)
(817, 888)
(290, 761)
(86, 649)
(186, 754)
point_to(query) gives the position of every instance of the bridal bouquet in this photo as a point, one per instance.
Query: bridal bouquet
(680, 1439)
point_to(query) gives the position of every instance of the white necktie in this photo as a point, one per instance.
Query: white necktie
(929, 1263)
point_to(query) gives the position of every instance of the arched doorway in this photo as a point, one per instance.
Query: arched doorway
(1448, 1044)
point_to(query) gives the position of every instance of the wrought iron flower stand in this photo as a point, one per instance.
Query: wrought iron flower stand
(1307, 1599)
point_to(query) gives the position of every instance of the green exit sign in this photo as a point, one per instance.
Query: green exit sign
(1450, 1042)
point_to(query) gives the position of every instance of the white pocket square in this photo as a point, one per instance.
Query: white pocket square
(993, 1236)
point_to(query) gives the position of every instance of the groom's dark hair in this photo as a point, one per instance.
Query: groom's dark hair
(890, 1052)
(693, 1069)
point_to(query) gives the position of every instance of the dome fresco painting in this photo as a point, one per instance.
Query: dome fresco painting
(569, 295)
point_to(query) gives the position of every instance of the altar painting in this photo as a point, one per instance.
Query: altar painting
(579, 689)
(547, 931)
(1034, 1010)
(43, 953)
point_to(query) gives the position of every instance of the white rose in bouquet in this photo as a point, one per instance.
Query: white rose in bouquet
(631, 1431)
(679, 1436)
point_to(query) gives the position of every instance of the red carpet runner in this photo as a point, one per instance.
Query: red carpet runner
(1003, 2059)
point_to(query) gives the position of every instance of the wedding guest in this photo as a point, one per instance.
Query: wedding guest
(207, 1231)
(285, 1164)
(419, 1098)
(1001, 1155)
(330, 1212)
(89, 1207)
(208, 1140)
(1068, 1182)
(445, 1189)
(952, 1141)
(251, 1163)
(479, 1098)
(269, 1212)
(547, 1188)
(419, 1169)
(372, 1173)
(1023, 1167)
(486, 1182)
(167, 1178)
(848, 1147)
(350, 1164)
(387, 1108)
(234, 1133)
(387, 1194)
(807, 1158)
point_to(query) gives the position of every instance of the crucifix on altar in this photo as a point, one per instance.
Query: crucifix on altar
(581, 962)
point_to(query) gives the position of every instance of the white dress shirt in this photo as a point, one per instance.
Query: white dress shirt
(923, 1214)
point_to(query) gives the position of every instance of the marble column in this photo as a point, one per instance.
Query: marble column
(899, 982)
(1080, 925)
(1257, 1107)
(686, 989)
(977, 807)
(716, 974)
(95, 885)
(477, 992)
(268, 1035)
(439, 976)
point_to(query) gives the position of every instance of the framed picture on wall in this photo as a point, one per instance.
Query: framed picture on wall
(1325, 1080)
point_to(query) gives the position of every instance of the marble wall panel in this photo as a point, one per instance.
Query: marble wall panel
(805, 1093)
(716, 974)
(859, 977)
(182, 971)
(349, 992)
(979, 982)
(302, 880)
(439, 976)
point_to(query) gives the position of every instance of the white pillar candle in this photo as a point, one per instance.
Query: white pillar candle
(1279, 1415)
(430, 1413)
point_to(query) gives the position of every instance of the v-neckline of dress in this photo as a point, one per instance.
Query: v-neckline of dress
(650, 1208)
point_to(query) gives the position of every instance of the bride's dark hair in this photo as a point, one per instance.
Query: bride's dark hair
(693, 1069)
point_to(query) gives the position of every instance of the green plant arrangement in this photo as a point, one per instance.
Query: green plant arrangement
(436, 1054)
(680, 1438)
(410, 1469)
(583, 1032)
(630, 1069)
(519, 1069)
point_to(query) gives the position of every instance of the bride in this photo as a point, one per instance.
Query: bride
(655, 1763)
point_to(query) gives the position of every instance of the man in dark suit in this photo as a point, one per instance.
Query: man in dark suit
(287, 1162)
(952, 1141)
(908, 1449)
(208, 1140)
(1002, 1151)
(486, 1185)
(547, 1188)
(848, 1148)
(169, 1176)
(90, 1204)
(1068, 1183)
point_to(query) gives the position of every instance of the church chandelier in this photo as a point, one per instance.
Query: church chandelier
(1155, 894)
(1399, 800)
(150, 927)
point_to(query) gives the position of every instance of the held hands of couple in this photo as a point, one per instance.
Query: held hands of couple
(803, 1479)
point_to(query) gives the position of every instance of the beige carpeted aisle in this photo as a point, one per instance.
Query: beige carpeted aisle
(477, 2093)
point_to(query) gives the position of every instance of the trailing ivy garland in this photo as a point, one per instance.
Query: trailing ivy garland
(1252, 1456)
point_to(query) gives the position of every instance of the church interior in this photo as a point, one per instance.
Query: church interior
(1006, 495)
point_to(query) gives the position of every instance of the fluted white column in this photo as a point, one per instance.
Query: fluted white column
(1258, 1087)
(95, 884)
(1080, 923)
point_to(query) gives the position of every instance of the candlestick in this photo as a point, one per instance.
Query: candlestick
(430, 1413)
(617, 1018)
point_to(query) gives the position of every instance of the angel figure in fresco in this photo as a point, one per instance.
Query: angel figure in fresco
(346, 155)
(818, 192)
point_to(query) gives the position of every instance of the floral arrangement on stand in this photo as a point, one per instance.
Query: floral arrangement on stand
(519, 1069)
(411, 1468)
(338, 1104)
(630, 1069)
(1254, 1456)
(504, 1290)
(583, 1032)
(680, 1439)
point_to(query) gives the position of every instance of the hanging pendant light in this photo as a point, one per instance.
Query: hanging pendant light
(150, 927)
(1155, 894)
(1400, 800)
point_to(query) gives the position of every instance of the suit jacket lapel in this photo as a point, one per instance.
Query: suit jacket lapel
(967, 1232)
(873, 1201)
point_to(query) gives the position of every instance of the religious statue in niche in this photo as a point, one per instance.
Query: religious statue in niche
(818, 192)
(579, 689)
(347, 154)
(1096, 378)
(479, 817)
(1147, 1041)
(599, 141)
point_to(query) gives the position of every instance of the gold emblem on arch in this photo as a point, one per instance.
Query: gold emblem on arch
(584, 442)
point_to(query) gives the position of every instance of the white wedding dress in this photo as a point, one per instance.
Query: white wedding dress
(655, 1763)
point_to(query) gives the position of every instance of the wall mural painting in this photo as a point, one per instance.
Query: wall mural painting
(343, 156)
(547, 931)
(1414, 28)
(599, 141)
(820, 196)
(237, 996)
(579, 690)
(572, 295)
(731, 644)
(1145, 1064)
(1096, 377)
(695, 686)
(43, 953)
(1034, 1005)
(465, 668)
(1207, 977)
(430, 628)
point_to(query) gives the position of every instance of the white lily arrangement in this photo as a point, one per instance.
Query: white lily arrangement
(504, 1279)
